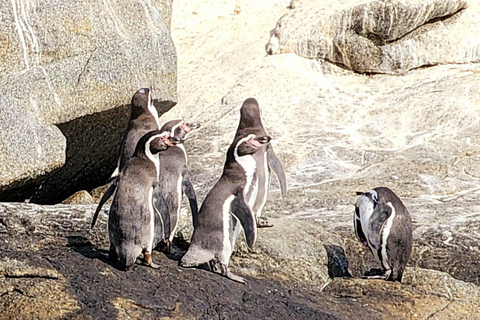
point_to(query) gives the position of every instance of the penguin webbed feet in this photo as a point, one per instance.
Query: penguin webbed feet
(377, 273)
(147, 260)
(222, 269)
(263, 223)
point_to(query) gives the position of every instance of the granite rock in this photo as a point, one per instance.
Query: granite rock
(67, 73)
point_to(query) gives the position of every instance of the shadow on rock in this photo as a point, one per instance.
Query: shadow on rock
(337, 262)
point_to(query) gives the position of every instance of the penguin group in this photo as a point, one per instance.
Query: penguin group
(152, 177)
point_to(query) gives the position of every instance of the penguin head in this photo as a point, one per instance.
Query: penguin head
(142, 103)
(250, 117)
(154, 142)
(250, 144)
(179, 128)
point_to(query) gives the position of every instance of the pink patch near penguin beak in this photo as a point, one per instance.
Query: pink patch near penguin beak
(254, 142)
(166, 140)
(185, 127)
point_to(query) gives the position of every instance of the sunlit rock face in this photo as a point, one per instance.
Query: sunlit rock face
(381, 36)
(68, 69)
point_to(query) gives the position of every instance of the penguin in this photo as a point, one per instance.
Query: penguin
(143, 119)
(265, 159)
(211, 240)
(174, 181)
(135, 221)
(382, 223)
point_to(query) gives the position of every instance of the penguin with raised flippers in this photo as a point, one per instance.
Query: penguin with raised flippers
(135, 223)
(211, 240)
(382, 223)
(265, 159)
(174, 181)
(143, 119)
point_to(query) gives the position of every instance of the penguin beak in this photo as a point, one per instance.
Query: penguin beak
(192, 125)
(171, 141)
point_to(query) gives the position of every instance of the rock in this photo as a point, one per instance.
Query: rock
(381, 36)
(50, 254)
(67, 75)
(80, 197)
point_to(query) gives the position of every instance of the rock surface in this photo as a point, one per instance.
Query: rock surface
(381, 36)
(336, 132)
(74, 67)
(52, 265)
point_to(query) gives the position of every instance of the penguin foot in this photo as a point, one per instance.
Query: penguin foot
(263, 223)
(147, 260)
(218, 267)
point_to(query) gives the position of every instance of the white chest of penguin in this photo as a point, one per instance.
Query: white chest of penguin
(249, 165)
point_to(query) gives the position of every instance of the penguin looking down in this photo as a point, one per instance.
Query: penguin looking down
(211, 241)
(382, 223)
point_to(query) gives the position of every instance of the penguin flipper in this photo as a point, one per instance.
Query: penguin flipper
(379, 216)
(162, 219)
(192, 198)
(277, 167)
(104, 199)
(242, 212)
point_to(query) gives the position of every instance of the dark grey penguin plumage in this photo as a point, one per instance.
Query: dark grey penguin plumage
(225, 203)
(175, 181)
(382, 223)
(143, 119)
(265, 161)
(134, 223)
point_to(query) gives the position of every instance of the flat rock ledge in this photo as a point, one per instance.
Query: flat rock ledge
(52, 266)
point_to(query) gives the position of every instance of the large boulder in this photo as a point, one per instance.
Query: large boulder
(381, 36)
(67, 74)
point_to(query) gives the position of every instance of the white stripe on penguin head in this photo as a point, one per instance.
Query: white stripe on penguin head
(154, 157)
(247, 162)
(152, 109)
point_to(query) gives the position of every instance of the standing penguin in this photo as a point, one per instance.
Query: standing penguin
(382, 223)
(143, 119)
(134, 223)
(225, 203)
(265, 159)
(174, 180)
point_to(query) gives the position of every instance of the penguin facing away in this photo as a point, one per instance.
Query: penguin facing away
(211, 240)
(265, 161)
(382, 223)
(135, 224)
(174, 181)
(143, 119)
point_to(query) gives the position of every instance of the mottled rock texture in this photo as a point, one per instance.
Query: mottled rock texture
(391, 36)
(52, 265)
(67, 72)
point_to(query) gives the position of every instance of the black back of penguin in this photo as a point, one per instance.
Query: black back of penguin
(389, 231)
(133, 225)
(211, 237)
(143, 119)
(266, 160)
(175, 181)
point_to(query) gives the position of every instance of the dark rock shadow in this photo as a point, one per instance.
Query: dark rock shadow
(93, 143)
(337, 262)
